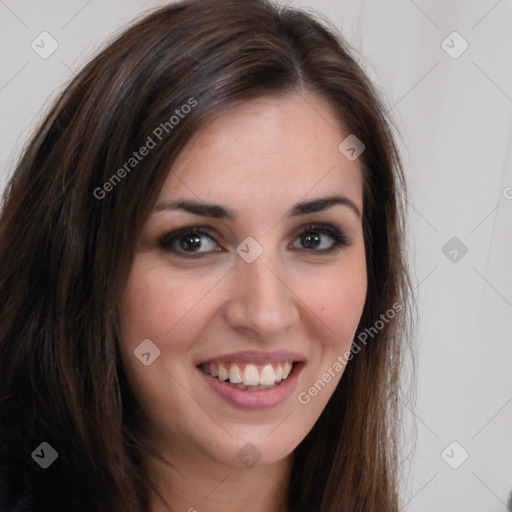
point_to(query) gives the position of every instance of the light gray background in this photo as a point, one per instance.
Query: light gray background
(454, 116)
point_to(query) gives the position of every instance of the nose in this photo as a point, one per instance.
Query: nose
(262, 301)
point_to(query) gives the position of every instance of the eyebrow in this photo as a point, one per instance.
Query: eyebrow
(221, 212)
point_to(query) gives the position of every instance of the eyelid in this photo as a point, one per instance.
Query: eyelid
(174, 233)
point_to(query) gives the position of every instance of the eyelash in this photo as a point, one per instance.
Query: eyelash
(167, 239)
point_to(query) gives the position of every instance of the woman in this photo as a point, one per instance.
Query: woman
(203, 278)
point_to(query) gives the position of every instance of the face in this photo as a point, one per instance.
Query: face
(241, 273)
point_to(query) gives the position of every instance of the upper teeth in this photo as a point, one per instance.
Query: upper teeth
(249, 374)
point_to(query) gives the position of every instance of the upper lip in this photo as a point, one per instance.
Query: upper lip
(255, 357)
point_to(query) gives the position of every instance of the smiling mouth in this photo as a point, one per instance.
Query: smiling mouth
(250, 377)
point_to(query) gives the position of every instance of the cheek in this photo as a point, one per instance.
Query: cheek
(166, 308)
(156, 306)
(337, 301)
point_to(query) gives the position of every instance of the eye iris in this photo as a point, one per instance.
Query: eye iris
(311, 240)
(190, 242)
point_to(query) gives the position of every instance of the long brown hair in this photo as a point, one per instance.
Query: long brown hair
(67, 241)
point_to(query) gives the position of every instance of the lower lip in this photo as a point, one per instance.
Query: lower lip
(253, 400)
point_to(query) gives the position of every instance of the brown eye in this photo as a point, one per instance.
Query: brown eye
(188, 242)
(316, 238)
(311, 240)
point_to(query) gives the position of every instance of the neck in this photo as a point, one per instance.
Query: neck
(189, 483)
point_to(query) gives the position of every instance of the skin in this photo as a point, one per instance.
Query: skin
(259, 159)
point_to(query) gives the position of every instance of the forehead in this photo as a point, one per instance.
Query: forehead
(276, 149)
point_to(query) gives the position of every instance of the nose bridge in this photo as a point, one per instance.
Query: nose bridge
(261, 300)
